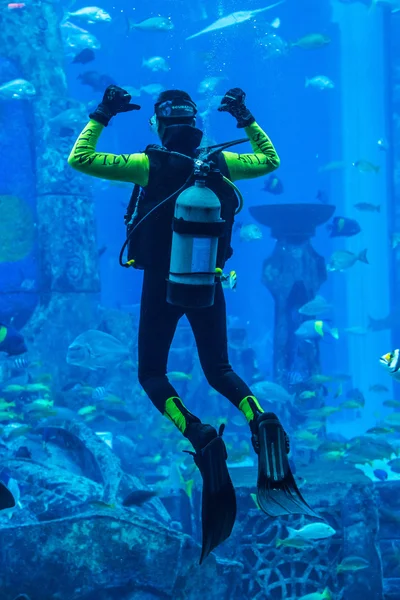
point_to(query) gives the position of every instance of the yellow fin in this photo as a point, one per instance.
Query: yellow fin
(254, 498)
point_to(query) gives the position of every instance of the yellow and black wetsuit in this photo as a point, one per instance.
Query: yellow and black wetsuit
(158, 319)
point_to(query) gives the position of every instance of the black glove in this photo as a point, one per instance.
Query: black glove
(233, 103)
(115, 100)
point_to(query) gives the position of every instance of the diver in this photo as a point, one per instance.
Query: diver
(160, 173)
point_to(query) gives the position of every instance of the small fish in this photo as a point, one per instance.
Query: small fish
(357, 395)
(84, 57)
(379, 430)
(393, 419)
(250, 233)
(20, 364)
(312, 330)
(152, 24)
(273, 185)
(378, 388)
(155, 64)
(87, 410)
(99, 393)
(95, 349)
(313, 531)
(138, 497)
(323, 412)
(380, 474)
(233, 19)
(298, 543)
(382, 145)
(352, 563)
(17, 89)
(364, 166)
(343, 227)
(39, 405)
(90, 15)
(99, 504)
(18, 431)
(315, 307)
(307, 394)
(4, 405)
(351, 405)
(334, 165)
(16, 5)
(391, 362)
(8, 416)
(76, 39)
(320, 82)
(325, 595)
(209, 85)
(311, 41)
(11, 341)
(367, 207)
(229, 281)
(391, 403)
(179, 376)
(153, 89)
(344, 259)
(97, 81)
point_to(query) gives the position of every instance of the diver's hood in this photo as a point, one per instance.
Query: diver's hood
(182, 138)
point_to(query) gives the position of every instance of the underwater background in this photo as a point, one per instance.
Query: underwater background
(316, 241)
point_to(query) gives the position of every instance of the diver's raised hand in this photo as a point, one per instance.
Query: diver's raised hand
(234, 103)
(115, 100)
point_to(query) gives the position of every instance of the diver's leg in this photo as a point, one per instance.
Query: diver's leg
(157, 325)
(277, 491)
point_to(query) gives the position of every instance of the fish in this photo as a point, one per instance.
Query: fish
(233, 19)
(16, 5)
(17, 89)
(320, 82)
(229, 281)
(87, 410)
(379, 430)
(311, 330)
(357, 395)
(90, 15)
(138, 497)
(38, 405)
(313, 531)
(95, 349)
(352, 563)
(391, 403)
(378, 388)
(179, 376)
(391, 362)
(152, 24)
(68, 121)
(4, 405)
(323, 412)
(273, 392)
(307, 394)
(99, 393)
(12, 342)
(344, 259)
(19, 364)
(316, 306)
(273, 185)
(298, 543)
(380, 474)
(84, 57)
(393, 419)
(76, 39)
(343, 227)
(364, 166)
(155, 64)
(250, 233)
(311, 41)
(17, 431)
(153, 89)
(36, 387)
(367, 207)
(325, 595)
(383, 145)
(351, 405)
(97, 81)
(333, 166)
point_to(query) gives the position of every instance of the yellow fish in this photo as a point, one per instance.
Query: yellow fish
(86, 410)
(179, 376)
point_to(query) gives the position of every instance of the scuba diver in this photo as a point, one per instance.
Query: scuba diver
(181, 240)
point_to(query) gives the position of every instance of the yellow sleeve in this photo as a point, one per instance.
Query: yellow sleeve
(264, 160)
(133, 168)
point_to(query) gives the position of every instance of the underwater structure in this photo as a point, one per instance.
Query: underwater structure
(293, 274)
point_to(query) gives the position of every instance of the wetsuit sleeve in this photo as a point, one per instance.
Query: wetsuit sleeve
(133, 168)
(264, 160)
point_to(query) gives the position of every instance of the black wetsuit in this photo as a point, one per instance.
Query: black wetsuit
(158, 322)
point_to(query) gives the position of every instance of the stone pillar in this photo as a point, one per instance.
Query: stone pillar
(293, 274)
(68, 281)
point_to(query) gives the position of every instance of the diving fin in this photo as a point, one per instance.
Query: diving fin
(218, 511)
(277, 492)
(6, 497)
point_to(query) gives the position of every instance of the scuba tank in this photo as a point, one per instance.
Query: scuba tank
(196, 228)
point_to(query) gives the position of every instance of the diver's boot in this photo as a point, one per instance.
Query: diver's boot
(218, 512)
(277, 491)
